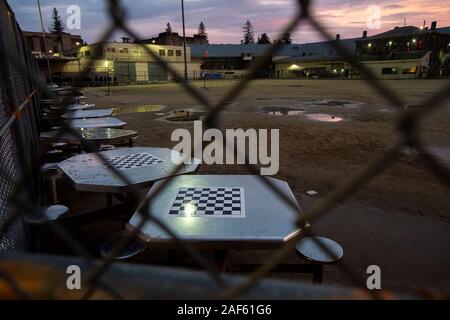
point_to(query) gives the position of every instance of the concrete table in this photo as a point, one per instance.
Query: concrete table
(97, 123)
(219, 212)
(86, 114)
(141, 165)
(94, 135)
(76, 107)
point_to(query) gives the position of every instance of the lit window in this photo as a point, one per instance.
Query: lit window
(409, 70)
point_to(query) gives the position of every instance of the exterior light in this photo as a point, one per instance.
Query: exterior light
(342, 70)
(335, 71)
(414, 40)
(390, 43)
(77, 43)
(369, 45)
(153, 41)
(50, 51)
(294, 67)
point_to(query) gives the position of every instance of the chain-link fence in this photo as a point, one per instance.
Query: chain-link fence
(21, 159)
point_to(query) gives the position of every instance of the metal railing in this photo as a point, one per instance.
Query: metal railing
(21, 200)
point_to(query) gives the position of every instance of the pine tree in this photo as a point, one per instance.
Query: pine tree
(57, 25)
(249, 34)
(202, 31)
(286, 39)
(169, 28)
(263, 39)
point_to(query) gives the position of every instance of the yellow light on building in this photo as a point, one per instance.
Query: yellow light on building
(294, 67)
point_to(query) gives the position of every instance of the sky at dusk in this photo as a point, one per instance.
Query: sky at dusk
(224, 18)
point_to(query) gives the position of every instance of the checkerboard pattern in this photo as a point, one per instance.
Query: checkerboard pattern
(214, 202)
(136, 160)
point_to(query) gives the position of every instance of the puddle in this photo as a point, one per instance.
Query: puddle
(324, 117)
(441, 153)
(317, 103)
(138, 109)
(282, 111)
(183, 116)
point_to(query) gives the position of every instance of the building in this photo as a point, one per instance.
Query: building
(406, 53)
(174, 39)
(401, 53)
(124, 63)
(57, 44)
(227, 61)
(316, 60)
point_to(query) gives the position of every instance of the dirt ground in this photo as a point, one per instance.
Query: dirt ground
(317, 155)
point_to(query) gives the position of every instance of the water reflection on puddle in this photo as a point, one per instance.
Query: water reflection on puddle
(323, 117)
(316, 103)
(138, 109)
(282, 111)
(441, 153)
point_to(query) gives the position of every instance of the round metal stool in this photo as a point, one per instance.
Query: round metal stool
(48, 214)
(37, 223)
(132, 249)
(309, 249)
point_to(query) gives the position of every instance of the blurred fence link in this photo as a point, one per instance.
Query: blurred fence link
(21, 88)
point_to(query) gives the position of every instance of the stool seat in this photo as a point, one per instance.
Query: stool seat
(47, 167)
(48, 214)
(106, 147)
(308, 249)
(131, 249)
(59, 145)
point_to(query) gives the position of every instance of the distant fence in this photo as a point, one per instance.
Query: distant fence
(19, 126)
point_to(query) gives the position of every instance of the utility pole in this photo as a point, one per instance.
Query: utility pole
(184, 43)
(45, 44)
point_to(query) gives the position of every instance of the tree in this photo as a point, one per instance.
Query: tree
(263, 39)
(169, 28)
(202, 31)
(249, 34)
(286, 39)
(56, 25)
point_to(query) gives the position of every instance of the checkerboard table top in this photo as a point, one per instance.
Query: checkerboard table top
(142, 166)
(107, 122)
(215, 202)
(219, 212)
(133, 160)
(86, 114)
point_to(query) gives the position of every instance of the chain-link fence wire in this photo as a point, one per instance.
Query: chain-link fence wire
(22, 199)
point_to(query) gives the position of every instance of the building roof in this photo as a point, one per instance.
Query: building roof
(445, 30)
(407, 31)
(257, 50)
